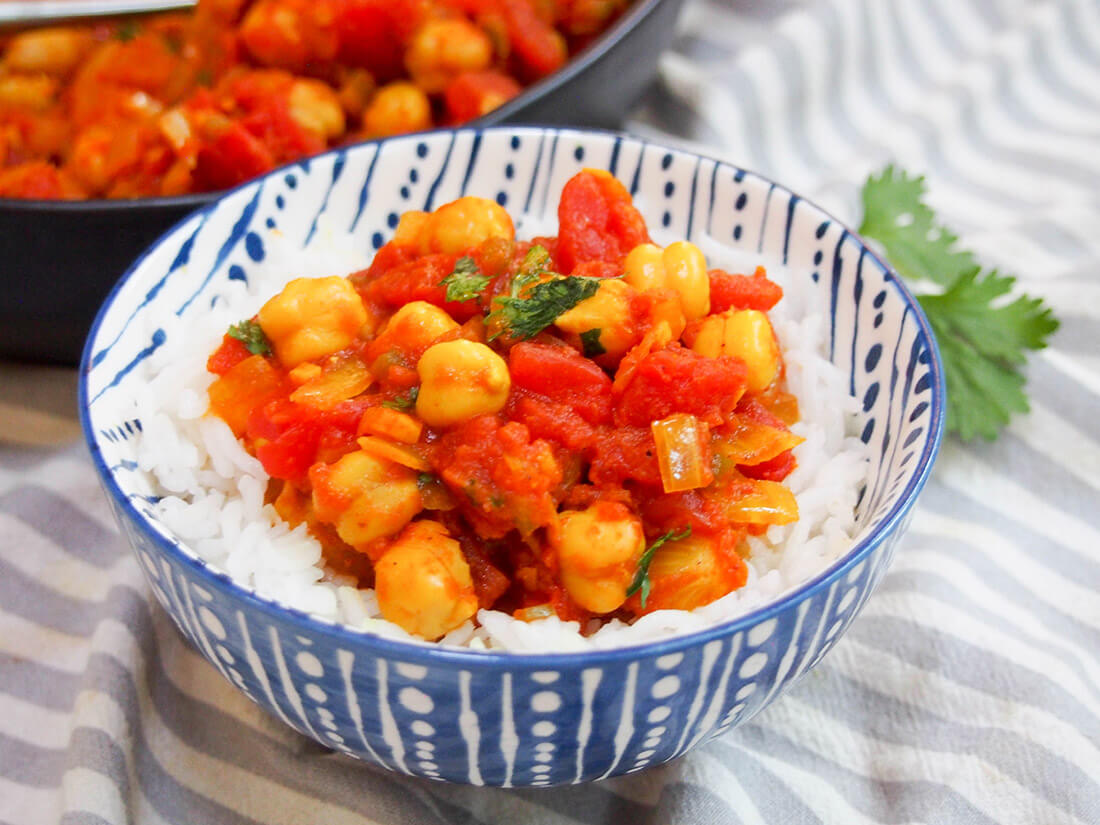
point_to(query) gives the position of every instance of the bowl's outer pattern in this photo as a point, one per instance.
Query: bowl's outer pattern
(507, 719)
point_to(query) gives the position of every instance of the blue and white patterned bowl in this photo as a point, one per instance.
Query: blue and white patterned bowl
(496, 718)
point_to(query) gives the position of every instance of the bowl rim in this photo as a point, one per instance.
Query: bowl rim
(592, 53)
(430, 653)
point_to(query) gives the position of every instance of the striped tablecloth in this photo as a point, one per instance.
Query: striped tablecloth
(968, 691)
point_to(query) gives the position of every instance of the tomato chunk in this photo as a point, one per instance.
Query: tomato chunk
(731, 291)
(677, 380)
(563, 375)
(598, 221)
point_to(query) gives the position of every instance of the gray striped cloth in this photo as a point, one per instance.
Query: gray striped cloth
(968, 691)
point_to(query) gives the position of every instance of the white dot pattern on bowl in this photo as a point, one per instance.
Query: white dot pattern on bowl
(409, 671)
(545, 701)
(752, 665)
(760, 633)
(659, 714)
(309, 664)
(665, 687)
(415, 700)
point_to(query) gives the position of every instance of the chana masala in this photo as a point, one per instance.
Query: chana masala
(179, 103)
(587, 425)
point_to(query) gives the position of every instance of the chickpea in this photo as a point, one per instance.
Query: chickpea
(608, 311)
(746, 334)
(364, 497)
(312, 318)
(87, 162)
(395, 109)
(416, 325)
(464, 224)
(441, 49)
(686, 272)
(53, 51)
(460, 380)
(288, 34)
(26, 92)
(409, 227)
(598, 551)
(316, 107)
(680, 266)
(643, 268)
(423, 582)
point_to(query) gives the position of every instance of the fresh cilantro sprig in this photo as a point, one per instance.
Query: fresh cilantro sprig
(641, 580)
(251, 334)
(526, 317)
(127, 31)
(466, 282)
(403, 402)
(983, 334)
(533, 304)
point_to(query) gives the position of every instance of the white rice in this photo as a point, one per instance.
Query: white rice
(212, 490)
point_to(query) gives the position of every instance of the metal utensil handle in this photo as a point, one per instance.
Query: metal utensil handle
(17, 13)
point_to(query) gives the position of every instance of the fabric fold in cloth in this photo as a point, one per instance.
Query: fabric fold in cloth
(967, 691)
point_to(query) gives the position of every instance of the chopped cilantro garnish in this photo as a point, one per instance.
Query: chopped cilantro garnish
(465, 283)
(641, 577)
(424, 479)
(127, 31)
(983, 336)
(535, 263)
(251, 334)
(590, 342)
(534, 304)
(403, 402)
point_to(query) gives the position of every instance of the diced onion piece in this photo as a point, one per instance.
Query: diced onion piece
(342, 380)
(752, 442)
(534, 613)
(304, 373)
(244, 387)
(397, 453)
(769, 502)
(434, 494)
(688, 573)
(683, 452)
(176, 128)
(392, 424)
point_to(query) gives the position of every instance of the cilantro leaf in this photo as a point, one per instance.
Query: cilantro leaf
(590, 342)
(465, 283)
(127, 31)
(641, 576)
(983, 333)
(896, 217)
(251, 334)
(982, 343)
(526, 317)
(403, 402)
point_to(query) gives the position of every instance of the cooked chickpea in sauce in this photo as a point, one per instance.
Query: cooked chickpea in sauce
(586, 425)
(177, 103)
